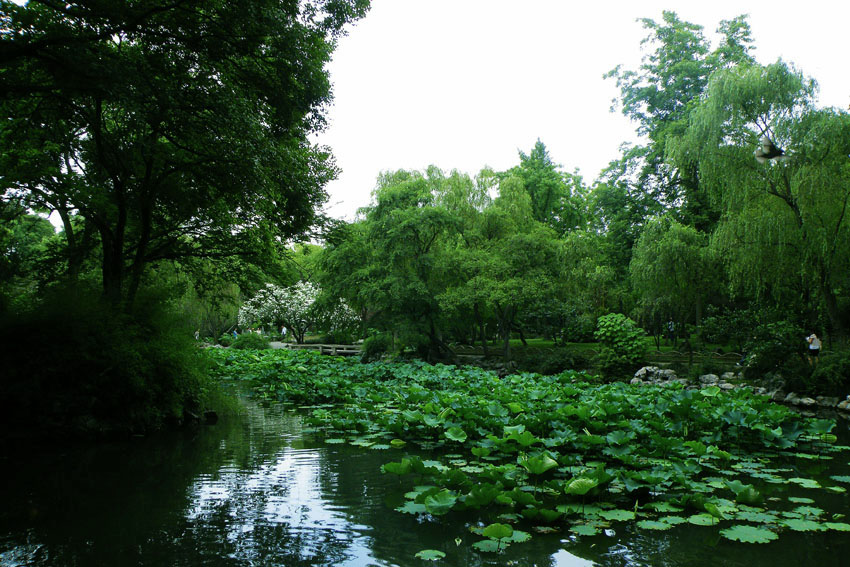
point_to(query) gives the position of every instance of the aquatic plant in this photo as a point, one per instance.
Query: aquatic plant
(559, 450)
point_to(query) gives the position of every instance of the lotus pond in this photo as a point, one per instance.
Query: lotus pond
(405, 464)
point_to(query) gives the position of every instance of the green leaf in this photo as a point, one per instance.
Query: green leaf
(585, 530)
(498, 531)
(538, 464)
(702, 520)
(653, 525)
(838, 526)
(840, 478)
(801, 525)
(617, 515)
(441, 502)
(456, 434)
(488, 545)
(748, 534)
(430, 555)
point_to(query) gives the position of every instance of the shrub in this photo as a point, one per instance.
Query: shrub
(775, 347)
(622, 344)
(831, 377)
(226, 339)
(375, 347)
(550, 361)
(74, 365)
(250, 341)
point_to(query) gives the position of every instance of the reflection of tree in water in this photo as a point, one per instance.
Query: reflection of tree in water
(253, 492)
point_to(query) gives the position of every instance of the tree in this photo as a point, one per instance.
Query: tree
(659, 97)
(298, 307)
(784, 228)
(173, 129)
(673, 273)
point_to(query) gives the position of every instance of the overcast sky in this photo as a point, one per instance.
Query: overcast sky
(466, 83)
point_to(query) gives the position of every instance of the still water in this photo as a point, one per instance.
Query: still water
(255, 490)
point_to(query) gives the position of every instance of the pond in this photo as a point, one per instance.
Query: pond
(256, 490)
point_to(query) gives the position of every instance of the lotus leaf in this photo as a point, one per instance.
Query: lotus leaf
(802, 525)
(430, 555)
(653, 525)
(748, 534)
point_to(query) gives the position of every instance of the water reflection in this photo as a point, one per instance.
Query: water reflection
(257, 491)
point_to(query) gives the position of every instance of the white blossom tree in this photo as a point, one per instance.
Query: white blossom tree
(295, 307)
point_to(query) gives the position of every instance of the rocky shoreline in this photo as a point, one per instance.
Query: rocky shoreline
(732, 380)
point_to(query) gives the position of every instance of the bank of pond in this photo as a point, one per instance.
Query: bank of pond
(334, 462)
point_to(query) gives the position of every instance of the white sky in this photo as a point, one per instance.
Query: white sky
(466, 83)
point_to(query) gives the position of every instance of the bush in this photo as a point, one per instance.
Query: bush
(250, 341)
(776, 347)
(622, 344)
(550, 361)
(76, 366)
(830, 378)
(226, 339)
(375, 347)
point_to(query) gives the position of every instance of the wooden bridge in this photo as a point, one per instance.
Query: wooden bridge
(334, 350)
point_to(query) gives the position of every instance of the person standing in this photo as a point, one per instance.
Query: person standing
(814, 348)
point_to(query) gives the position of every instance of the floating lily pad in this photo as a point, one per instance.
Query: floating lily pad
(839, 478)
(702, 520)
(617, 515)
(653, 525)
(585, 530)
(489, 545)
(805, 482)
(838, 526)
(430, 554)
(801, 525)
(748, 534)
(800, 500)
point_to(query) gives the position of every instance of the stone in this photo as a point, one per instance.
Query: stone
(646, 371)
(845, 405)
(708, 379)
(666, 374)
(807, 402)
(778, 396)
(728, 376)
(636, 381)
(726, 386)
(790, 398)
(827, 401)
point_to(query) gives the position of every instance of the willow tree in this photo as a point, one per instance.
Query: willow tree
(784, 231)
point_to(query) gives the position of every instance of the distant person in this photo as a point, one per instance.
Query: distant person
(197, 334)
(235, 334)
(814, 348)
(671, 331)
(283, 333)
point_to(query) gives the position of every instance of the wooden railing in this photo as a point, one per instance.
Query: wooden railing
(335, 350)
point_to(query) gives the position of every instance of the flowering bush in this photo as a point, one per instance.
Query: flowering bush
(297, 308)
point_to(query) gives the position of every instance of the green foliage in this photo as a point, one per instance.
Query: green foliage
(139, 128)
(622, 342)
(250, 341)
(831, 376)
(226, 339)
(541, 447)
(775, 347)
(73, 365)
(375, 347)
(552, 360)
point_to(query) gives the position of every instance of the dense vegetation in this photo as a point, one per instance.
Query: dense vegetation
(172, 141)
(546, 452)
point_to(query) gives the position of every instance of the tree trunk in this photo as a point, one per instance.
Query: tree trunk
(480, 323)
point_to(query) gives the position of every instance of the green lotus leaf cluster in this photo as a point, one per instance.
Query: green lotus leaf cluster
(563, 451)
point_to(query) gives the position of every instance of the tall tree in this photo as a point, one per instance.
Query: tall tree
(174, 128)
(659, 97)
(785, 211)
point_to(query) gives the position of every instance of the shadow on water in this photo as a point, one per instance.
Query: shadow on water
(256, 490)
